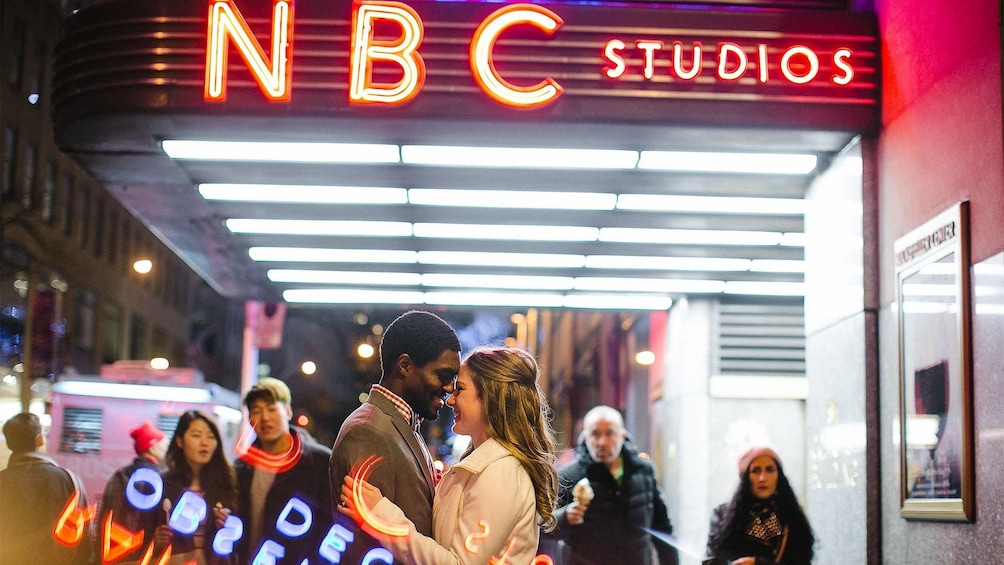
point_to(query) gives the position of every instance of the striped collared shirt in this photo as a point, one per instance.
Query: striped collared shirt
(402, 407)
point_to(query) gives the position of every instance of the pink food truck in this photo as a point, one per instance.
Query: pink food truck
(92, 415)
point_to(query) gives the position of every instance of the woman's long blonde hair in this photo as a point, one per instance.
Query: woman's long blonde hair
(518, 417)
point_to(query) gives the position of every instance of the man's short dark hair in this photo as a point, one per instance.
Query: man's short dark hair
(21, 431)
(424, 336)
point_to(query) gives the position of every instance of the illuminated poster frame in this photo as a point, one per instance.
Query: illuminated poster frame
(933, 300)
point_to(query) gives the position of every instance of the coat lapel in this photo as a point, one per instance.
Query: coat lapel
(408, 435)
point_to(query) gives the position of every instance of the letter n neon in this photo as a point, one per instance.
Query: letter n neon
(227, 25)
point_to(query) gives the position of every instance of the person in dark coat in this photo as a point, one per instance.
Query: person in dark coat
(283, 463)
(150, 445)
(763, 523)
(34, 491)
(609, 499)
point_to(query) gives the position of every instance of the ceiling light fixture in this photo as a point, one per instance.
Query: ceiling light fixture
(489, 259)
(521, 199)
(777, 266)
(715, 162)
(344, 277)
(518, 157)
(689, 237)
(617, 302)
(528, 282)
(711, 204)
(319, 227)
(657, 263)
(280, 151)
(762, 288)
(327, 255)
(616, 284)
(535, 300)
(506, 232)
(351, 296)
(303, 194)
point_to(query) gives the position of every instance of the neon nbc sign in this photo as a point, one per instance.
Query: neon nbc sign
(619, 59)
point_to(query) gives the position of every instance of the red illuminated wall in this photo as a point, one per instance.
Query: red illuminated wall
(941, 142)
(941, 119)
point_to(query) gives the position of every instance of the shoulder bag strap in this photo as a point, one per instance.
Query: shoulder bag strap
(784, 543)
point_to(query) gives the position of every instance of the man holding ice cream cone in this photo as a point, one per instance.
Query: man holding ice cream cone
(608, 499)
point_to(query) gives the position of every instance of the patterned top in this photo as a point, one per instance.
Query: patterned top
(402, 407)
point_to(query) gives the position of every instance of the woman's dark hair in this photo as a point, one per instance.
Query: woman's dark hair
(217, 477)
(789, 512)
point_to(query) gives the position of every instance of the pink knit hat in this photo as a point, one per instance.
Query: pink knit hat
(144, 436)
(752, 453)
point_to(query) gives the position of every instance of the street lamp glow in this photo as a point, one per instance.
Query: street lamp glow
(143, 266)
(365, 350)
(644, 358)
(308, 367)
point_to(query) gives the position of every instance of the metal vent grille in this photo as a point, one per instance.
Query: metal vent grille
(81, 431)
(761, 340)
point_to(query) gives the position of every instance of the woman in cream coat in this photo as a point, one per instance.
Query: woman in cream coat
(491, 504)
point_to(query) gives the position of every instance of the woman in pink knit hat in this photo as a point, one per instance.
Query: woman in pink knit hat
(763, 523)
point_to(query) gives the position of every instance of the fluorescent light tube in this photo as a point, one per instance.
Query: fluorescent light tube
(326, 255)
(546, 260)
(350, 296)
(506, 232)
(616, 284)
(344, 277)
(133, 391)
(777, 266)
(307, 194)
(520, 199)
(656, 263)
(689, 237)
(713, 162)
(319, 227)
(280, 151)
(765, 288)
(528, 282)
(619, 302)
(797, 239)
(710, 204)
(518, 157)
(493, 299)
